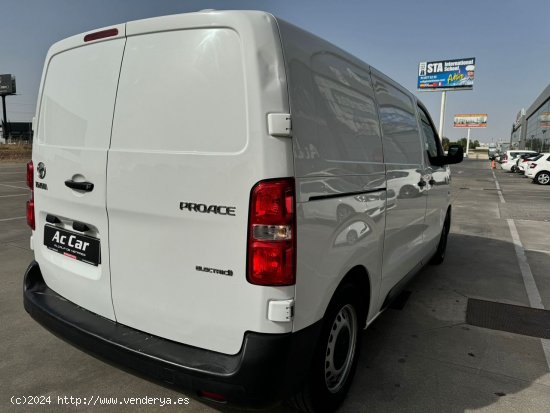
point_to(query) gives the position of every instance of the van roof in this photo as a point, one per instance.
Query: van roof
(165, 23)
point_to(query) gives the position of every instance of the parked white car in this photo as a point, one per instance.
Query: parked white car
(539, 170)
(524, 164)
(509, 160)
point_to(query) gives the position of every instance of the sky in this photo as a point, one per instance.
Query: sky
(508, 38)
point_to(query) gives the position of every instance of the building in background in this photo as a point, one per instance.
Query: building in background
(517, 129)
(532, 127)
(18, 132)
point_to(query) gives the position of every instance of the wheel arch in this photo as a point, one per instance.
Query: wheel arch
(359, 277)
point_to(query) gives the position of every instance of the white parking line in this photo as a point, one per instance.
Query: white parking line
(11, 219)
(499, 191)
(533, 294)
(539, 251)
(11, 196)
(12, 186)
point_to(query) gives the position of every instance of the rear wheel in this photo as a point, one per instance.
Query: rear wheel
(336, 354)
(542, 178)
(513, 169)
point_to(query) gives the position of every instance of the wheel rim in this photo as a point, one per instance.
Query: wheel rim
(543, 179)
(340, 348)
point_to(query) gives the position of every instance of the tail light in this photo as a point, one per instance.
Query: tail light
(272, 233)
(533, 165)
(30, 212)
(30, 175)
(30, 202)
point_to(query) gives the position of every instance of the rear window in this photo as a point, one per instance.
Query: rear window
(77, 103)
(182, 91)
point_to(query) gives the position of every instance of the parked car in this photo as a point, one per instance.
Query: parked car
(523, 160)
(509, 160)
(191, 250)
(539, 170)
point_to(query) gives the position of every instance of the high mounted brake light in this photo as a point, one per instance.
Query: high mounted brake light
(272, 233)
(90, 37)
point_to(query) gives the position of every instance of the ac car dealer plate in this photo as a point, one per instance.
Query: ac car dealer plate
(72, 245)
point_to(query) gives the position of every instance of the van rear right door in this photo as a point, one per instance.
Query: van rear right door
(186, 150)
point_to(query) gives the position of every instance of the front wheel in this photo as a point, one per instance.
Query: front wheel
(542, 178)
(335, 358)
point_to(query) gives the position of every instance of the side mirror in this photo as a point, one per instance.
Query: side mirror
(455, 154)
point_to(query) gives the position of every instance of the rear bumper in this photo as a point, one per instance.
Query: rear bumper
(267, 369)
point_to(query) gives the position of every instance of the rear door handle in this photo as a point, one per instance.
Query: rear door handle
(81, 186)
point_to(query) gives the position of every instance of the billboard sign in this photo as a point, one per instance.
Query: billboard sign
(7, 84)
(457, 74)
(473, 120)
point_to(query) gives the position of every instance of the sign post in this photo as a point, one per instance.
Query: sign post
(7, 87)
(473, 120)
(442, 114)
(444, 75)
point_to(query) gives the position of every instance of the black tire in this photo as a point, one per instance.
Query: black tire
(513, 169)
(542, 178)
(408, 191)
(440, 253)
(343, 212)
(336, 355)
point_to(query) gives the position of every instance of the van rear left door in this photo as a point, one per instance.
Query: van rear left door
(73, 133)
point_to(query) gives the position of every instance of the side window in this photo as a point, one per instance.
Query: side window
(399, 125)
(430, 138)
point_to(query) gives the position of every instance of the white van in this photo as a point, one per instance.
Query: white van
(173, 229)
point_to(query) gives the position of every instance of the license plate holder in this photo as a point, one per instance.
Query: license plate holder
(73, 245)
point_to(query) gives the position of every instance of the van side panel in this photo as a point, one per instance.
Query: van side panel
(404, 245)
(190, 128)
(340, 180)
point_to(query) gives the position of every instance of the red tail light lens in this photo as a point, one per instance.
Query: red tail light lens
(30, 212)
(533, 165)
(30, 174)
(272, 233)
(30, 202)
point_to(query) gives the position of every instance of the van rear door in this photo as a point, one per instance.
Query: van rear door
(188, 140)
(71, 240)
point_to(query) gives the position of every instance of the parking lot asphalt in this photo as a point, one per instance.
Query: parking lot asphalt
(421, 358)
